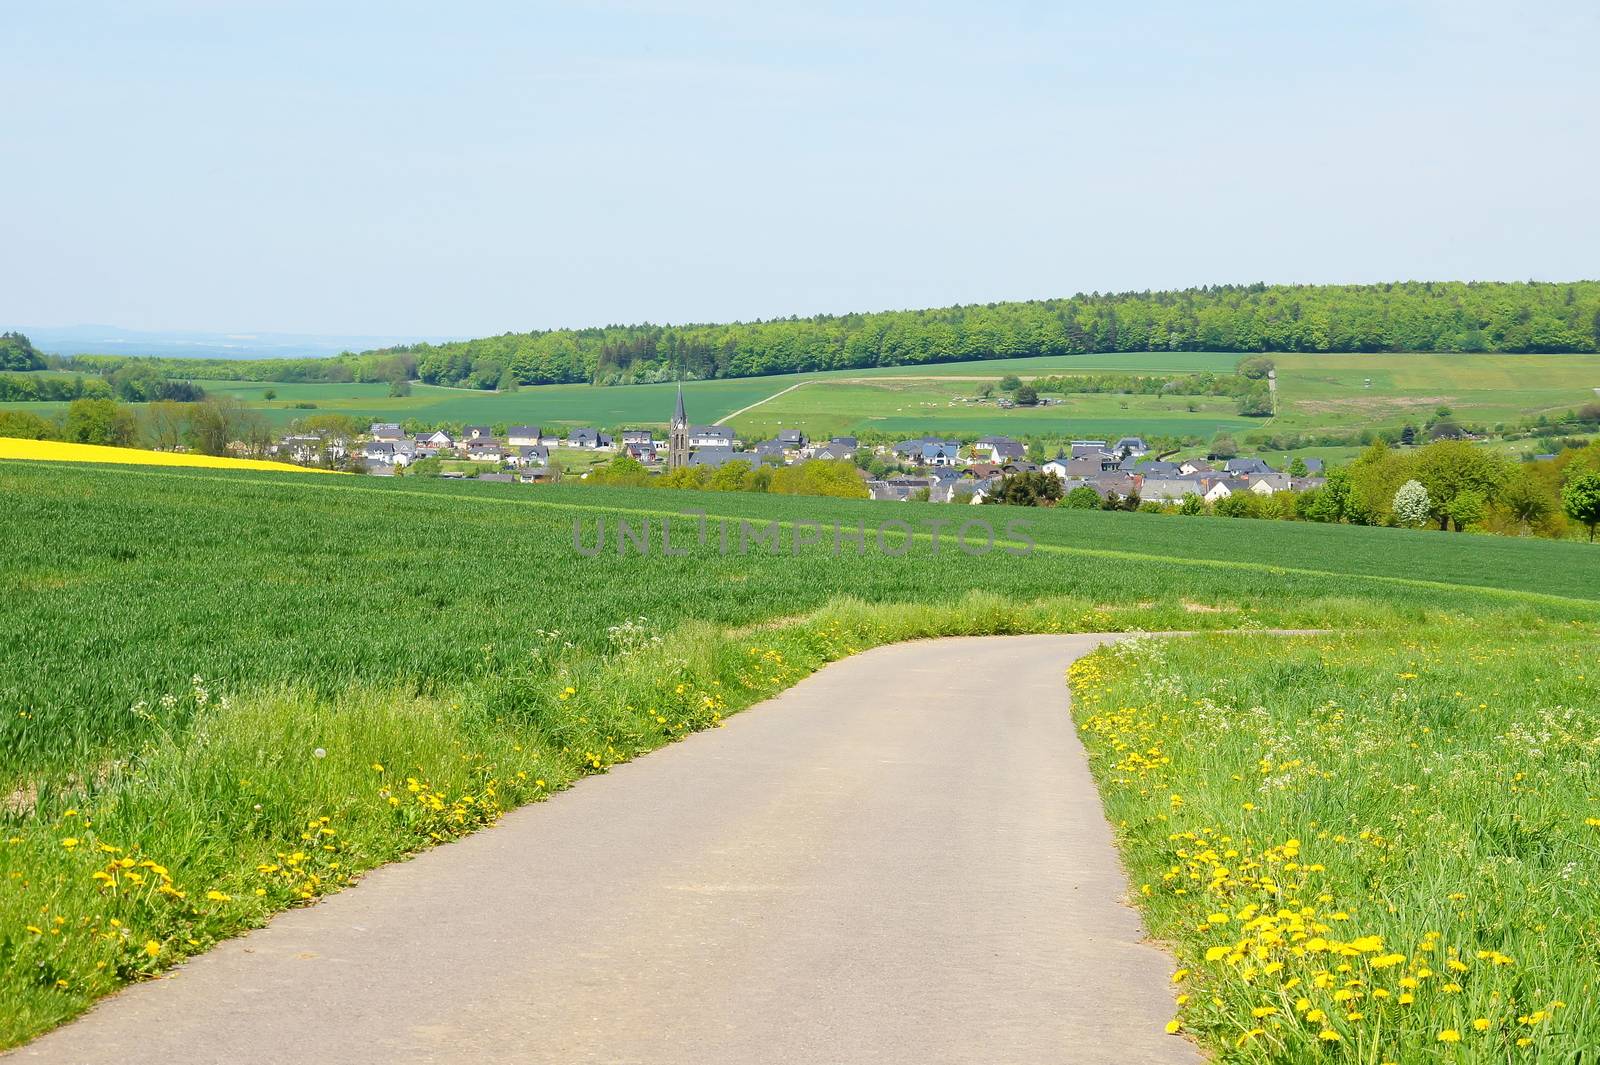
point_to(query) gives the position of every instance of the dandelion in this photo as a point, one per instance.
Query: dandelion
(1449, 1035)
(152, 947)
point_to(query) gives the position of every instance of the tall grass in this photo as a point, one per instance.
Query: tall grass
(1364, 847)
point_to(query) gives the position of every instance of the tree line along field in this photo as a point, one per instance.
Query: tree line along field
(1317, 393)
(229, 693)
(1406, 316)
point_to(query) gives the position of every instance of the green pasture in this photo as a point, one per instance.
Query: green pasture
(202, 664)
(914, 406)
(1325, 391)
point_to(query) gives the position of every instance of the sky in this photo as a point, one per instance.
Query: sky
(472, 168)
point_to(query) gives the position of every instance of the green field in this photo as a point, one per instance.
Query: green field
(910, 407)
(1321, 390)
(227, 693)
(1316, 392)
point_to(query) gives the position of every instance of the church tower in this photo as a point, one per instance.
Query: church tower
(678, 441)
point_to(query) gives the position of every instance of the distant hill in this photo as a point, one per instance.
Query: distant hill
(113, 340)
(1409, 316)
(1424, 316)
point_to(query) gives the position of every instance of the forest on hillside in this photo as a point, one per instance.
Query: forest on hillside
(1409, 316)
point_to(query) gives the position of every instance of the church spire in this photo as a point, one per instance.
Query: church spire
(678, 441)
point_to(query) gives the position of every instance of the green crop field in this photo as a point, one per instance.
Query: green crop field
(225, 694)
(910, 407)
(1316, 393)
(1319, 390)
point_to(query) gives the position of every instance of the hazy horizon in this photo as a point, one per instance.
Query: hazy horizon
(402, 171)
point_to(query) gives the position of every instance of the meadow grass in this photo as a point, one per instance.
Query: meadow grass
(911, 406)
(183, 644)
(1374, 846)
(1318, 392)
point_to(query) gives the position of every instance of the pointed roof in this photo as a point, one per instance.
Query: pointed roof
(679, 415)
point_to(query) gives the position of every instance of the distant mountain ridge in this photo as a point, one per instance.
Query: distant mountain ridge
(115, 340)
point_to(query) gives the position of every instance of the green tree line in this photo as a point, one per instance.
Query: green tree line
(1403, 316)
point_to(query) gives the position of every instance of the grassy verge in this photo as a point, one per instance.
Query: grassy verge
(1365, 847)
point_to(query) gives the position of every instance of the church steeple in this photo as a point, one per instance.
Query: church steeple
(678, 442)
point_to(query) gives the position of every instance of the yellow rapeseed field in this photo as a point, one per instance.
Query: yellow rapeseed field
(61, 451)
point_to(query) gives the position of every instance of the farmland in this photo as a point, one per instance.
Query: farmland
(1317, 393)
(284, 683)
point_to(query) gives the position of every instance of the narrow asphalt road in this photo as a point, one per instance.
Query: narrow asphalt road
(902, 859)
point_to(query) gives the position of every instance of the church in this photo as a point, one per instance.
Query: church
(678, 440)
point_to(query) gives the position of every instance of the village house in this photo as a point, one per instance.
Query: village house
(484, 451)
(1131, 447)
(523, 436)
(642, 450)
(1168, 489)
(711, 436)
(300, 448)
(383, 453)
(1267, 484)
(1246, 467)
(589, 439)
(470, 433)
(929, 451)
(388, 432)
(715, 457)
(840, 447)
(998, 449)
(436, 439)
(528, 455)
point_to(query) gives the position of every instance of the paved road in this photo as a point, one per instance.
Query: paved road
(902, 859)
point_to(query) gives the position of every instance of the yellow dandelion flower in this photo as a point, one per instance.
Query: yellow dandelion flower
(1449, 1035)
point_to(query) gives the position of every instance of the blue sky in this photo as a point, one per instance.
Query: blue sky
(472, 168)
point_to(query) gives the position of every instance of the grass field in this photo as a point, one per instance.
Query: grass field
(1367, 847)
(226, 693)
(1317, 392)
(911, 407)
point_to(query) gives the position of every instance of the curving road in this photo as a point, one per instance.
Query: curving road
(902, 859)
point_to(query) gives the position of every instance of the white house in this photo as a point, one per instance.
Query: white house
(710, 436)
(1268, 483)
(1219, 490)
(522, 436)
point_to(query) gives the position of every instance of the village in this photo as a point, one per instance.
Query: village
(927, 468)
